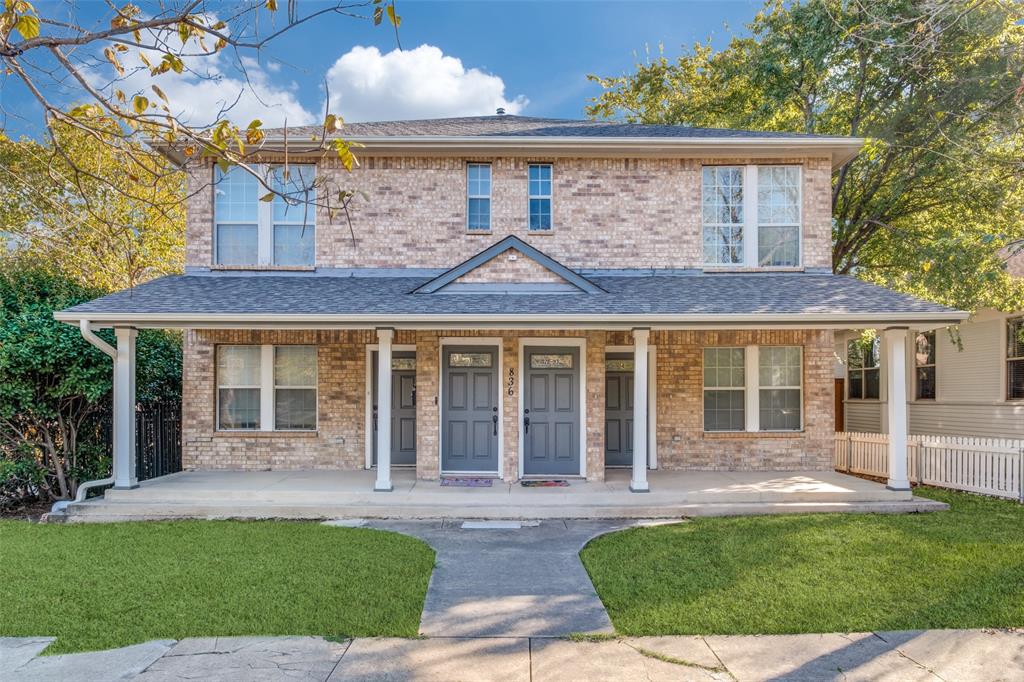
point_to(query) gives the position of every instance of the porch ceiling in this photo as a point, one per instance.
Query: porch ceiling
(634, 299)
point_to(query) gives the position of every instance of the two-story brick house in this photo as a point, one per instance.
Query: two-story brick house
(514, 296)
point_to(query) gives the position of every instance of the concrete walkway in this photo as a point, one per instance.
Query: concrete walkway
(951, 655)
(509, 578)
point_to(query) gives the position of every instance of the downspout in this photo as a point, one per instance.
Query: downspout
(60, 505)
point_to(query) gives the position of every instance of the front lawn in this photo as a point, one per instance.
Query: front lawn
(963, 568)
(95, 586)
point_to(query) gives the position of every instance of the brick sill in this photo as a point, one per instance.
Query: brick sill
(264, 268)
(266, 434)
(751, 435)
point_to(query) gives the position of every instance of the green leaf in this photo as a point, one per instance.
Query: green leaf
(140, 104)
(27, 26)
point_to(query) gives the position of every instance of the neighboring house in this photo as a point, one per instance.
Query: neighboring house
(518, 293)
(963, 381)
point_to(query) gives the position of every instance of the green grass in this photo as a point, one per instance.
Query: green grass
(96, 586)
(963, 568)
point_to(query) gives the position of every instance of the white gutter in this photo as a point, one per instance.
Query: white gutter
(83, 488)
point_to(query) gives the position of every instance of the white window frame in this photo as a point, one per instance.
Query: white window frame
(268, 388)
(758, 387)
(1009, 359)
(549, 196)
(470, 196)
(863, 370)
(752, 390)
(264, 221)
(742, 389)
(744, 233)
(750, 243)
(316, 392)
(934, 365)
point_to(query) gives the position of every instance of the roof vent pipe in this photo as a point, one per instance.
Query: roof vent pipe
(500, 111)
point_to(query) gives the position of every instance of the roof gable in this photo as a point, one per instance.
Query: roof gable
(524, 266)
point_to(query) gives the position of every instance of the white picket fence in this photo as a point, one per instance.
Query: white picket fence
(992, 466)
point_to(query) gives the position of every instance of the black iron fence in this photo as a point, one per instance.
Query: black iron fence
(157, 439)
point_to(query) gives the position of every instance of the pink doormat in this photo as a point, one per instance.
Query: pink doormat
(545, 484)
(466, 482)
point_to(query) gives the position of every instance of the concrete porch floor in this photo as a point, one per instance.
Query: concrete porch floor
(349, 494)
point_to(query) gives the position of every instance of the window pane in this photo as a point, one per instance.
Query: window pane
(295, 366)
(871, 383)
(469, 360)
(479, 217)
(294, 244)
(236, 196)
(854, 354)
(479, 179)
(1015, 379)
(723, 244)
(723, 411)
(298, 192)
(873, 352)
(622, 365)
(550, 360)
(779, 366)
(540, 214)
(724, 367)
(237, 245)
(780, 409)
(926, 383)
(778, 195)
(1015, 338)
(238, 366)
(295, 408)
(778, 246)
(856, 384)
(239, 408)
(924, 348)
(403, 363)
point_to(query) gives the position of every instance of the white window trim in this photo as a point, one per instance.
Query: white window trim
(744, 388)
(752, 390)
(912, 342)
(751, 225)
(267, 387)
(264, 222)
(550, 196)
(490, 202)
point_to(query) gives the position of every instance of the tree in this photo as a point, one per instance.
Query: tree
(106, 220)
(936, 196)
(52, 382)
(48, 52)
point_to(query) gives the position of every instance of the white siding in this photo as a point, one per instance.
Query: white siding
(975, 373)
(944, 419)
(864, 416)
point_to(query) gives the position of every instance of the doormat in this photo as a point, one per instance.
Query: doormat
(545, 484)
(466, 482)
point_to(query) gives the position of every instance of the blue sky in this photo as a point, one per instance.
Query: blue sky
(459, 58)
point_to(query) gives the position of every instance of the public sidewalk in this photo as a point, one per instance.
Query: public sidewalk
(953, 655)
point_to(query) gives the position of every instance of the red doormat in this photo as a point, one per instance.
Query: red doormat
(545, 484)
(466, 482)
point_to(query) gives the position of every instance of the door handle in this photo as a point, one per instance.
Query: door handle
(526, 424)
(495, 420)
(374, 417)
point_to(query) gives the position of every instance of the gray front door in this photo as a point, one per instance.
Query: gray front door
(469, 414)
(551, 410)
(403, 408)
(618, 410)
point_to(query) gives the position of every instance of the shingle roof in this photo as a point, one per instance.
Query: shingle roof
(525, 126)
(267, 295)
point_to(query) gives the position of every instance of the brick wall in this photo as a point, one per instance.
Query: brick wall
(510, 267)
(339, 442)
(607, 213)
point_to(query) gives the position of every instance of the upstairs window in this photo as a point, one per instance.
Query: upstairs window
(248, 231)
(540, 196)
(478, 197)
(1015, 359)
(751, 215)
(924, 366)
(862, 369)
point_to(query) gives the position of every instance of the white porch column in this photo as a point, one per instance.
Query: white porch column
(896, 408)
(384, 339)
(124, 409)
(638, 483)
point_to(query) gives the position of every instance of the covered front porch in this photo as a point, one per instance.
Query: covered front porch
(349, 494)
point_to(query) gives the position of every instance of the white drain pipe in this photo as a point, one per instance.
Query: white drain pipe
(60, 505)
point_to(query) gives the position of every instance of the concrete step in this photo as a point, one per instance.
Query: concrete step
(105, 510)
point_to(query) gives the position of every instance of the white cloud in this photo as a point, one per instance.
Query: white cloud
(365, 85)
(211, 88)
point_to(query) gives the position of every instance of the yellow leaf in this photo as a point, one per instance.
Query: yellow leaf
(395, 19)
(926, 266)
(272, 5)
(159, 92)
(140, 104)
(27, 26)
(144, 59)
(112, 58)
